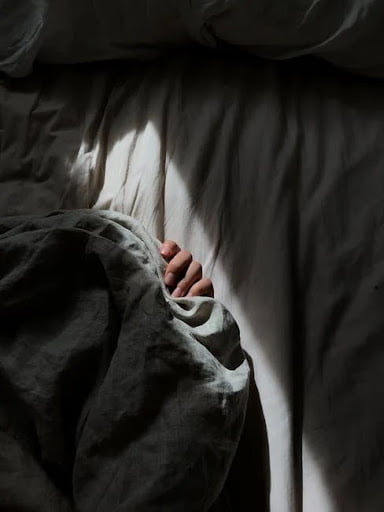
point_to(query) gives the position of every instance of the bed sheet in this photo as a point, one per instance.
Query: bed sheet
(272, 175)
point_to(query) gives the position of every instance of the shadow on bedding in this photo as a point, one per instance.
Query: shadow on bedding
(249, 477)
(284, 169)
(45, 117)
(280, 166)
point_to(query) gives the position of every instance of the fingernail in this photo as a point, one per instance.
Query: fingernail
(177, 293)
(170, 279)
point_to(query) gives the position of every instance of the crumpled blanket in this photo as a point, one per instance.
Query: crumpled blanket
(114, 396)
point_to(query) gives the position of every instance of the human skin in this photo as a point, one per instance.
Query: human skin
(183, 275)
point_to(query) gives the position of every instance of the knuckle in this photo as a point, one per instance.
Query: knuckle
(173, 267)
(195, 272)
(187, 255)
(182, 284)
(171, 245)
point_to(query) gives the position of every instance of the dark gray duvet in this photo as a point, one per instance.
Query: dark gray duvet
(113, 396)
(346, 33)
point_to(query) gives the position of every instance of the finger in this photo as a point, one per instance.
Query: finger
(203, 288)
(193, 275)
(177, 268)
(169, 249)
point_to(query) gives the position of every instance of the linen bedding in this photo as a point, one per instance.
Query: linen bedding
(272, 175)
(270, 172)
(113, 395)
(348, 34)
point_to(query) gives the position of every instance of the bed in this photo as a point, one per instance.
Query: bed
(270, 171)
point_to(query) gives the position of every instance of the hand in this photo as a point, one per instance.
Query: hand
(183, 275)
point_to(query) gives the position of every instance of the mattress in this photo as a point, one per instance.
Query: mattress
(271, 174)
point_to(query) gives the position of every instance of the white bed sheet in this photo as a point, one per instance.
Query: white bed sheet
(273, 178)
